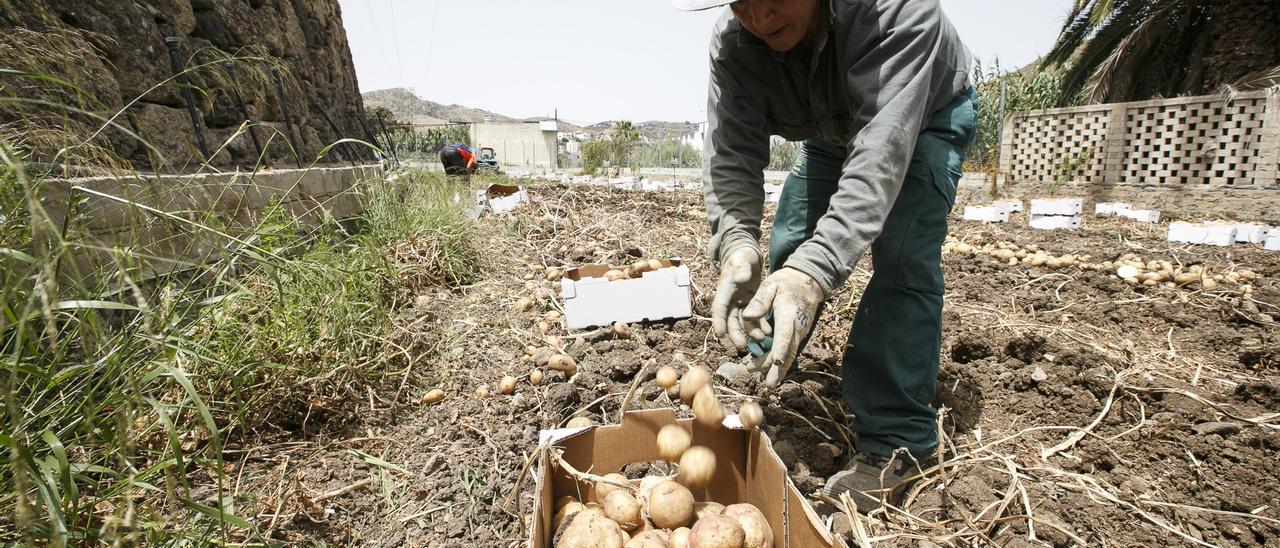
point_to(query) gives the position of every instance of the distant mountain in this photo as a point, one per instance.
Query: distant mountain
(410, 108)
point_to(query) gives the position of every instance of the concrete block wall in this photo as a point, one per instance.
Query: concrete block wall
(1207, 142)
(115, 215)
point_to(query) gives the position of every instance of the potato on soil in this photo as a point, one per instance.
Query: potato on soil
(751, 415)
(563, 363)
(588, 529)
(507, 385)
(621, 330)
(693, 381)
(704, 509)
(434, 396)
(603, 488)
(716, 532)
(706, 408)
(535, 377)
(624, 509)
(680, 538)
(673, 441)
(755, 527)
(653, 538)
(579, 422)
(666, 377)
(670, 505)
(697, 466)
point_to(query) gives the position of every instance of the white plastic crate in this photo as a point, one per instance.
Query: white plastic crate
(1149, 216)
(1107, 209)
(1057, 206)
(1010, 206)
(1253, 233)
(1203, 234)
(986, 214)
(1055, 222)
(592, 300)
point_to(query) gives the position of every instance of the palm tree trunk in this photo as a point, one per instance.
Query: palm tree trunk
(1245, 38)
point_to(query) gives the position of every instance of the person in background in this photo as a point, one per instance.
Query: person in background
(458, 161)
(879, 92)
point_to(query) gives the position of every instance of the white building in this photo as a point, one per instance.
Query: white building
(697, 139)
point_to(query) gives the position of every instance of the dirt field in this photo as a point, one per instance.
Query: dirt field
(1081, 409)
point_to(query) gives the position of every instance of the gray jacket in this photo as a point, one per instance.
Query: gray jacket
(879, 70)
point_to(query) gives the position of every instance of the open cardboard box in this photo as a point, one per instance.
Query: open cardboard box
(747, 470)
(591, 300)
(501, 198)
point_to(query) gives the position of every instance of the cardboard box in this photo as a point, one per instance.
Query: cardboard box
(1149, 216)
(772, 193)
(1272, 242)
(501, 198)
(747, 470)
(1252, 233)
(1057, 206)
(1107, 209)
(1220, 235)
(1055, 222)
(986, 214)
(591, 300)
(1011, 206)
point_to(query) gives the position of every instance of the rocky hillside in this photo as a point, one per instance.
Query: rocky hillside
(115, 51)
(410, 108)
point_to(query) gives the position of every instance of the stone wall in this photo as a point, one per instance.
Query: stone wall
(118, 55)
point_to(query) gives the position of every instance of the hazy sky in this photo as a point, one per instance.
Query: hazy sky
(600, 60)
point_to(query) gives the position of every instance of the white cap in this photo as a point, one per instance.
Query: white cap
(698, 5)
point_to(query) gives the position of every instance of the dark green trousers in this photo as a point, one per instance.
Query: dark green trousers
(890, 366)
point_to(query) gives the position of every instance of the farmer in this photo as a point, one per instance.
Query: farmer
(458, 161)
(879, 92)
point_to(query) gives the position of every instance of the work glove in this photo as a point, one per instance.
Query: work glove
(793, 297)
(739, 279)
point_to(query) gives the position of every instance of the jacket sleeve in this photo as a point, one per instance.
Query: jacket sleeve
(736, 154)
(892, 70)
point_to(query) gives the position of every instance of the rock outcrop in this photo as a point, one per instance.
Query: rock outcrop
(115, 51)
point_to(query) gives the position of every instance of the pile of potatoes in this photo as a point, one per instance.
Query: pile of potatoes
(659, 511)
(635, 270)
(1130, 267)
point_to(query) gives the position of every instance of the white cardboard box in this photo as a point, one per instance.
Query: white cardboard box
(591, 300)
(1058, 206)
(1010, 206)
(1220, 235)
(1106, 209)
(1149, 216)
(986, 214)
(1273, 241)
(772, 192)
(1253, 233)
(1055, 222)
(501, 198)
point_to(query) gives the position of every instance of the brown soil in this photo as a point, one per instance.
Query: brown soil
(1140, 375)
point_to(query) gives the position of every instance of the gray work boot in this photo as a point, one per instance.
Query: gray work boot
(869, 478)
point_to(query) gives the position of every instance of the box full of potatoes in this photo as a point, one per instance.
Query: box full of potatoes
(714, 482)
(646, 290)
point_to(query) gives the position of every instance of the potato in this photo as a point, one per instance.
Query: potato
(693, 381)
(529, 350)
(566, 511)
(561, 362)
(716, 532)
(507, 385)
(680, 538)
(621, 330)
(704, 509)
(655, 264)
(564, 501)
(670, 505)
(755, 527)
(697, 466)
(647, 484)
(482, 391)
(553, 274)
(751, 415)
(673, 440)
(535, 377)
(525, 304)
(706, 408)
(666, 377)
(554, 341)
(653, 538)
(579, 422)
(623, 508)
(615, 275)
(603, 488)
(433, 397)
(588, 529)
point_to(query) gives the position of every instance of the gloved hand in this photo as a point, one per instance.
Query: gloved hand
(794, 297)
(739, 279)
